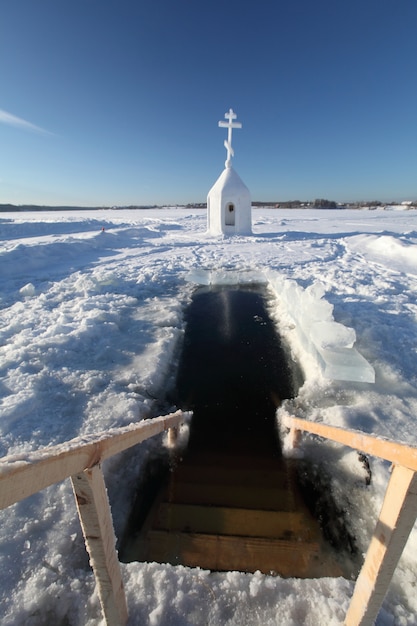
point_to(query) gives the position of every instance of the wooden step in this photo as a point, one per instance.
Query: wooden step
(235, 461)
(216, 474)
(235, 458)
(228, 553)
(240, 496)
(290, 525)
(233, 512)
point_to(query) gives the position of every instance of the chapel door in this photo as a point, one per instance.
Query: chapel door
(230, 214)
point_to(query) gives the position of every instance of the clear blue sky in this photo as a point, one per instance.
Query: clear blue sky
(108, 102)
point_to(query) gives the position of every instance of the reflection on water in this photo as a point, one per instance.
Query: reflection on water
(234, 370)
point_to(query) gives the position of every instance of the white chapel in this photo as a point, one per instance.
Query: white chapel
(229, 208)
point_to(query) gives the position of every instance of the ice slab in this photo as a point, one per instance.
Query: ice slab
(199, 276)
(346, 364)
(224, 277)
(328, 335)
(331, 343)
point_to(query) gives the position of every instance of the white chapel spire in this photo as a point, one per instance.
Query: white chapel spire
(230, 116)
(229, 206)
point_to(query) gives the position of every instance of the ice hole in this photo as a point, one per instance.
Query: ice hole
(228, 500)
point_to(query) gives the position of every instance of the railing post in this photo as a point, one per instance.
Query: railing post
(172, 436)
(398, 514)
(97, 525)
(294, 437)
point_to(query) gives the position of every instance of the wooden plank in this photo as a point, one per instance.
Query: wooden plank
(96, 522)
(398, 514)
(23, 475)
(223, 553)
(397, 453)
(232, 521)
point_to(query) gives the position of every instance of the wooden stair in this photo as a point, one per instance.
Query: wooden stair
(228, 512)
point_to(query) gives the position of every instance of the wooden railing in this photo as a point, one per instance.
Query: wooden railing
(396, 519)
(80, 459)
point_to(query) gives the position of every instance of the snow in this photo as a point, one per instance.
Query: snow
(92, 309)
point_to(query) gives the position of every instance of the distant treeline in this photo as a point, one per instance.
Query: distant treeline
(34, 207)
(318, 203)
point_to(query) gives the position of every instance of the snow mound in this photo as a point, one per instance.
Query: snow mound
(391, 252)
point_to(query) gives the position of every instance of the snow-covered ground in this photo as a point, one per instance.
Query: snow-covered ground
(92, 310)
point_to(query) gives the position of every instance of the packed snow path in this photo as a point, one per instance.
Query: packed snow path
(91, 327)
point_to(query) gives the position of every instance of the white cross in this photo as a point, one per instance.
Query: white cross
(228, 143)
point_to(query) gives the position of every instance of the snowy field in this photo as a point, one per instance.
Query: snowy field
(92, 308)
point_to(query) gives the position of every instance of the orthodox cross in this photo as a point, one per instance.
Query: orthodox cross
(230, 116)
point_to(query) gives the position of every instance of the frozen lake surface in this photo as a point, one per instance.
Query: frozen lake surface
(92, 322)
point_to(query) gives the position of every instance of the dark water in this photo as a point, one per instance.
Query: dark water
(234, 369)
